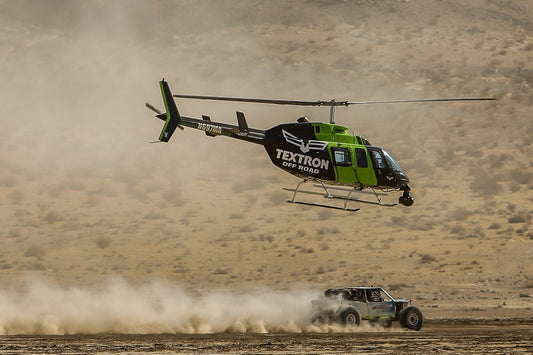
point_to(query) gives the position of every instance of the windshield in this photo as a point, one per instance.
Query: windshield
(391, 162)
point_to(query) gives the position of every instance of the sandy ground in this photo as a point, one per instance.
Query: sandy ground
(449, 337)
(94, 221)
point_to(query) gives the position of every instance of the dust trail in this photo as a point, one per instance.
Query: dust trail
(115, 306)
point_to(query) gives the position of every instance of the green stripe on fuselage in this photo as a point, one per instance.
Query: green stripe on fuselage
(338, 136)
(161, 136)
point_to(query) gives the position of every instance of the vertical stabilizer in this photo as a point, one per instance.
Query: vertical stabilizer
(173, 116)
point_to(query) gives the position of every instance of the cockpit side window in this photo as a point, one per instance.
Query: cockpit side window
(377, 159)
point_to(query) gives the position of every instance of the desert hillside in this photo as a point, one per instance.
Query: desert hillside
(85, 197)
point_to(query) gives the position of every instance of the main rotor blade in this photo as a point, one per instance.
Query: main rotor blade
(261, 101)
(419, 100)
(326, 103)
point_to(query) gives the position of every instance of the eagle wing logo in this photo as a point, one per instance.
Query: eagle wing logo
(311, 144)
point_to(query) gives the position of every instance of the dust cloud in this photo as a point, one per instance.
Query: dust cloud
(115, 306)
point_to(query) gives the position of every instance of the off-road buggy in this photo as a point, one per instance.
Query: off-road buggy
(349, 305)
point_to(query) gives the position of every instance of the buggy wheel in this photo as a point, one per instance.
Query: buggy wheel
(411, 318)
(386, 323)
(350, 318)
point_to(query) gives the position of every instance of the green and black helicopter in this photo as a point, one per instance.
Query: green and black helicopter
(340, 164)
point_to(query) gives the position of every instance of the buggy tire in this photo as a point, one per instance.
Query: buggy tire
(411, 318)
(350, 318)
(386, 323)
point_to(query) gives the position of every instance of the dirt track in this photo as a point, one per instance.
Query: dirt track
(443, 337)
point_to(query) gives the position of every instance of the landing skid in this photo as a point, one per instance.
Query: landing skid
(326, 206)
(327, 193)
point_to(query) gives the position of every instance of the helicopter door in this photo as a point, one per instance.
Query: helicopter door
(342, 159)
(365, 171)
(384, 174)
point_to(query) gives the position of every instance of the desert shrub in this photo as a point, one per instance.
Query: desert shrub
(35, 251)
(221, 271)
(52, 217)
(514, 188)
(398, 286)
(73, 185)
(251, 199)
(495, 162)
(7, 181)
(445, 156)
(324, 214)
(517, 218)
(36, 267)
(245, 229)
(483, 184)
(173, 197)
(398, 220)
(14, 233)
(477, 232)
(321, 231)
(300, 233)
(245, 185)
(15, 197)
(423, 225)
(460, 214)
(423, 167)
(520, 176)
(155, 215)
(103, 242)
(278, 198)
(495, 225)
(137, 194)
(459, 230)
(427, 259)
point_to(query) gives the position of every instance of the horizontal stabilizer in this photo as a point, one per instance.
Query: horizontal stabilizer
(160, 115)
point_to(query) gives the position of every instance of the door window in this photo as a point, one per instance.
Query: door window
(342, 156)
(360, 156)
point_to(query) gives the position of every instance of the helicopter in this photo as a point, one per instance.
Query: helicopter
(339, 163)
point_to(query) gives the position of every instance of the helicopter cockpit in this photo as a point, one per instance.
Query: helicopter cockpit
(388, 171)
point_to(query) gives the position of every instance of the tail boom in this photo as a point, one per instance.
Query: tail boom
(174, 120)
